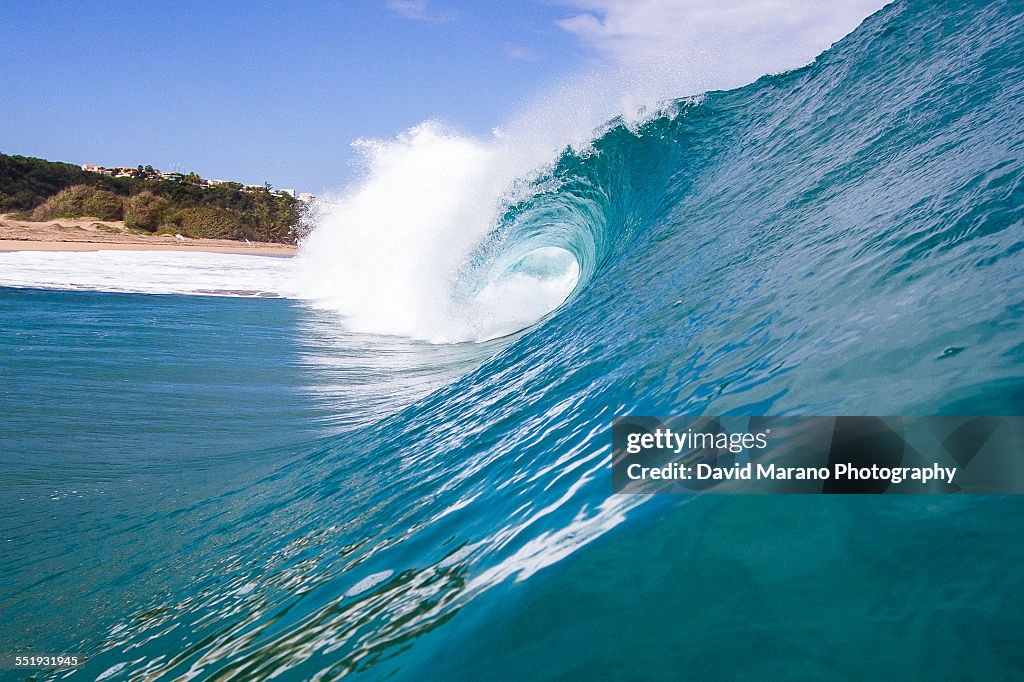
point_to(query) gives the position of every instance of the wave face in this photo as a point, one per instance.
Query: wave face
(843, 238)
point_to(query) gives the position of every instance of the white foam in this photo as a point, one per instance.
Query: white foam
(150, 272)
(390, 253)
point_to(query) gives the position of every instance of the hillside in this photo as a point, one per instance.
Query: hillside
(39, 190)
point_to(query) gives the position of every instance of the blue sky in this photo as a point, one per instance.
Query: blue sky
(277, 92)
(265, 91)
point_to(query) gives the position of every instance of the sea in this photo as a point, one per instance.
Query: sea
(389, 457)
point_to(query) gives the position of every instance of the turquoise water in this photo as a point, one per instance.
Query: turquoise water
(232, 488)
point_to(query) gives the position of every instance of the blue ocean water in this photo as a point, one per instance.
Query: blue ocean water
(231, 488)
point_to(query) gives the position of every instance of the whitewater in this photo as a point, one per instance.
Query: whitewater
(419, 245)
(399, 464)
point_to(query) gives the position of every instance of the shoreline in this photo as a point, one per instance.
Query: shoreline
(93, 235)
(193, 245)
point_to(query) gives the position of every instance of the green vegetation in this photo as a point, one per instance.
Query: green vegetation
(44, 190)
(80, 201)
(145, 210)
(207, 221)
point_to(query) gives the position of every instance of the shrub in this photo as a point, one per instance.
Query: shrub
(104, 205)
(67, 202)
(145, 211)
(206, 222)
(78, 201)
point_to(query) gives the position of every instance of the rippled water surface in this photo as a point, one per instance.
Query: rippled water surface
(234, 488)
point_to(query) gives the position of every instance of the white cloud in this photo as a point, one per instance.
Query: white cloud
(521, 52)
(416, 10)
(723, 42)
(658, 51)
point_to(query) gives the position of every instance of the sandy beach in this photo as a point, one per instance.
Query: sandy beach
(86, 234)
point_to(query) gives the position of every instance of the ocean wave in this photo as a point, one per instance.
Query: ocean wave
(811, 243)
